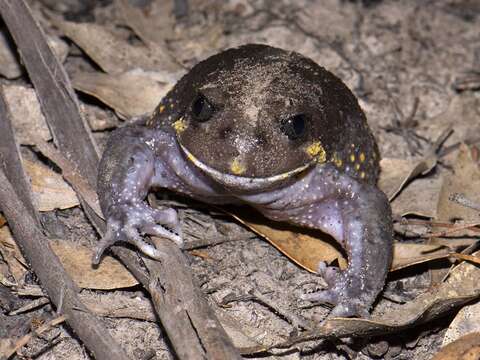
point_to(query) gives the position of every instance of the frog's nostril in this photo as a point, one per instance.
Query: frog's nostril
(261, 139)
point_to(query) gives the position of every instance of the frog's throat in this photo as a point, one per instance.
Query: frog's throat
(242, 182)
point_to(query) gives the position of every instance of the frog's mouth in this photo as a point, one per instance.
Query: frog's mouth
(242, 182)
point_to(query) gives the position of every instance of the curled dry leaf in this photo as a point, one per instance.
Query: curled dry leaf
(130, 94)
(305, 248)
(153, 23)
(49, 189)
(405, 255)
(465, 180)
(113, 54)
(77, 260)
(465, 348)
(420, 196)
(27, 117)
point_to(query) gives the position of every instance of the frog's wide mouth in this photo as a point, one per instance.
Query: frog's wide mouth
(242, 182)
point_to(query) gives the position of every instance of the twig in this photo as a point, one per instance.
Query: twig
(25, 339)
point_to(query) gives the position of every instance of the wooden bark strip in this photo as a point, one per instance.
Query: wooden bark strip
(178, 300)
(60, 288)
(10, 159)
(57, 98)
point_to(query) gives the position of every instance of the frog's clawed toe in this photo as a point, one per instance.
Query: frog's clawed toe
(347, 300)
(126, 222)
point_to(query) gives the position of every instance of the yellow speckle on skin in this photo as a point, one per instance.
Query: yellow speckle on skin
(237, 167)
(352, 158)
(316, 150)
(180, 125)
(362, 157)
(161, 108)
(357, 166)
(362, 175)
(337, 160)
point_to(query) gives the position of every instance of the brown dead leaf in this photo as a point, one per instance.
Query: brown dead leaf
(418, 197)
(405, 255)
(77, 261)
(396, 173)
(130, 94)
(113, 54)
(465, 180)
(303, 247)
(12, 255)
(465, 348)
(49, 189)
(466, 321)
(152, 23)
(27, 117)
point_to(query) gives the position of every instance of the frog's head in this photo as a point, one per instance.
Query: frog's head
(255, 116)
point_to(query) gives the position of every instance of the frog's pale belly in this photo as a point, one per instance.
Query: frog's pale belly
(268, 128)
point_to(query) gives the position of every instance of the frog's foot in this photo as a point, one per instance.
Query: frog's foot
(127, 222)
(346, 297)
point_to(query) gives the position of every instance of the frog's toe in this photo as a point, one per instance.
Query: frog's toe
(160, 231)
(329, 273)
(348, 299)
(343, 307)
(167, 217)
(127, 221)
(111, 236)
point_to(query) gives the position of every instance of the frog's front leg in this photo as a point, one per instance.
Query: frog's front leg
(358, 216)
(126, 173)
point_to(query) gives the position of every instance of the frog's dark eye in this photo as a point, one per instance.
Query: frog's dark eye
(294, 126)
(202, 109)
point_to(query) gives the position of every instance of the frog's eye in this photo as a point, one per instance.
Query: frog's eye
(294, 126)
(202, 109)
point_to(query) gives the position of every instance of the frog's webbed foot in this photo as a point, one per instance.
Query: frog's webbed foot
(129, 221)
(346, 297)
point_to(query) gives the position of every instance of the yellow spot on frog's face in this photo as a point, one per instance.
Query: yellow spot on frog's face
(357, 166)
(161, 108)
(362, 175)
(237, 167)
(362, 157)
(180, 125)
(352, 158)
(316, 150)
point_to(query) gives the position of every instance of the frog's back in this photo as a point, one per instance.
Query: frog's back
(337, 121)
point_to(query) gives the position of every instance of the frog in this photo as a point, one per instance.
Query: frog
(265, 127)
